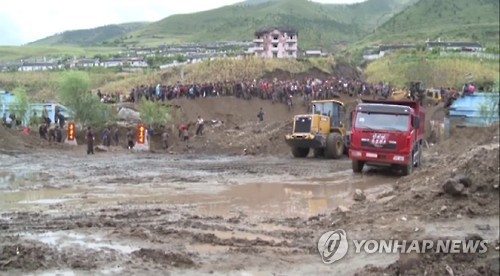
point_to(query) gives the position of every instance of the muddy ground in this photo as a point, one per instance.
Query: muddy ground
(211, 210)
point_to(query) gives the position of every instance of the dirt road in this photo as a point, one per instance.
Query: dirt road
(124, 212)
(139, 213)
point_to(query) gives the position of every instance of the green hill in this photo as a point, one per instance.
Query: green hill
(469, 20)
(89, 37)
(319, 25)
(370, 14)
(326, 26)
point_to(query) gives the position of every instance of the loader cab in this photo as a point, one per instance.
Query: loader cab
(335, 110)
(433, 96)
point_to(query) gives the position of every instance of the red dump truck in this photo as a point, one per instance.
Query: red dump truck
(387, 133)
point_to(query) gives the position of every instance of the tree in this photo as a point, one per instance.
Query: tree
(489, 108)
(496, 86)
(154, 113)
(21, 104)
(86, 108)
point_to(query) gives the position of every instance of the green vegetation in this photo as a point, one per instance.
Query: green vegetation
(74, 92)
(400, 68)
(325, 26)
(42, 85)
(319, 25)
(157, 61)
(490, 107)
(21, 103)
(496, 86)
(11, 53)
(467, 20)
(154, 114)
(91, 37)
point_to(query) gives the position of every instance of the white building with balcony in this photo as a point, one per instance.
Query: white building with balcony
(276, 43)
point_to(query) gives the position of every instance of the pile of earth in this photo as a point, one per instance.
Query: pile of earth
(236, 128)
(249, 138)
(15, 140)
(339, 70)
(469, 160)
(470, 155)
(231, 126)
(463, 140)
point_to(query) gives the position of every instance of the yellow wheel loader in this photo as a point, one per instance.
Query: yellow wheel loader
(323, 131)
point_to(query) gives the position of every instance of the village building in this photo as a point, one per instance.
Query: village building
(276, 43)
(455, 46)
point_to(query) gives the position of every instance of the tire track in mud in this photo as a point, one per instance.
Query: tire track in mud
(152, 234)
(147, 229)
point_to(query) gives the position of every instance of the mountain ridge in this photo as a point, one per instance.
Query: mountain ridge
(88, 37)
(319, 25)
(469, 20)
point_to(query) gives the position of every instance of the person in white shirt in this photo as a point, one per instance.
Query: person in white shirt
(199, 130)
(8, 122)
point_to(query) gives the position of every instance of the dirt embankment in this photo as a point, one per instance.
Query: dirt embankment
(14, 141)
(236, 127)
(339, 70)
(231, 125)
(470, 157)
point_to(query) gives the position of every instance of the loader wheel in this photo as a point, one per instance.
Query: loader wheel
(319, 152)
(300, 152)
(334, 146)
(357, 166)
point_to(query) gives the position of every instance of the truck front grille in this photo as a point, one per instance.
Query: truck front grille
(368, 144)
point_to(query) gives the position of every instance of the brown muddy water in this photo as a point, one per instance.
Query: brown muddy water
(143, 214)
(265, 187)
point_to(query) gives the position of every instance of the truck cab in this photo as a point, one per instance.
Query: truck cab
(387, 133)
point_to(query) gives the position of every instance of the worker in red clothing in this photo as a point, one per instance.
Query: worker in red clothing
(182, 127)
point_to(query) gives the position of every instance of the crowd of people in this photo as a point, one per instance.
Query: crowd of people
(277, 91)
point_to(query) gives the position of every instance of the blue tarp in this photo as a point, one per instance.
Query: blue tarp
(479, 109)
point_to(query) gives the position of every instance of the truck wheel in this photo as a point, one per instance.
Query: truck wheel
(319, 152)
(300, 152)
(419, 156)
(334, 146)
(357, 166)
(408, 169)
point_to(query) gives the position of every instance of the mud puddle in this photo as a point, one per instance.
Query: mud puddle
(268, 197)
(299, 198)
(240, 235)
(65, 239)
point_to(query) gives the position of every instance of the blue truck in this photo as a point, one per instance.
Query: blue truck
(7, 102)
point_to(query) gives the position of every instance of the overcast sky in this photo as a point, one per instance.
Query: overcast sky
(23, 21)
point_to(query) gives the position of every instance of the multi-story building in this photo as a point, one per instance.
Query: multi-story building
(276, 43)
